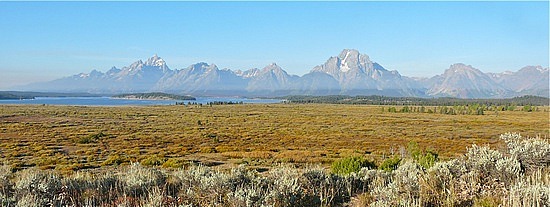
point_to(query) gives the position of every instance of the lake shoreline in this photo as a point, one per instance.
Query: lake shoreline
(149, 99)
(111, 101)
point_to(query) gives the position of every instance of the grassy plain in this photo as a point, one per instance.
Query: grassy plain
(79, 137)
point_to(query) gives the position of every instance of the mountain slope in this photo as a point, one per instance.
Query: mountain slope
(530, 80)
(316, 83)
(349, 73)
(202, 78)
(464, 81)
(138, 77)
(357, 74)
(271, 79)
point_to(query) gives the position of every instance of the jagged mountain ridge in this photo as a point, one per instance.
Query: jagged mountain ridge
(464, 81)
(529, 80)
(138, 77)
(355, 73)
(349, 73)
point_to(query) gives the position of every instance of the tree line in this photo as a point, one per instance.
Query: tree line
(507, 103)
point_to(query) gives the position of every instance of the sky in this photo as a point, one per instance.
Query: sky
(41, 41)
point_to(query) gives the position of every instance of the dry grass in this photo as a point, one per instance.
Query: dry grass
(67, 137)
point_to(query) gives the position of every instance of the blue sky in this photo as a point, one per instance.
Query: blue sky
(47, 40)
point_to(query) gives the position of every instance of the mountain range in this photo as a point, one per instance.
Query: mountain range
(349, 73)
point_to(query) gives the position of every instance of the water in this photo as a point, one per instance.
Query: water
(108, 101)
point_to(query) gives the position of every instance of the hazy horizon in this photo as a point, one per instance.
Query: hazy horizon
(49, 40)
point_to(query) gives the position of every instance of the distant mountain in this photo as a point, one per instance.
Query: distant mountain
(349, 73)
(201, 78)
(316, 83)
(248, 73)
(464, 81)
(272, 79)
(138, 77)
(356, 74)
(530, 80)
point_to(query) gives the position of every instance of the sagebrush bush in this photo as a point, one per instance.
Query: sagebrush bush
(6, 186)
(286, 188)
(137, 179)
(38, 185)
(31, 200)
(530, 190)
(402, 188)
(482, 177)
(531, 152)
(438, 184)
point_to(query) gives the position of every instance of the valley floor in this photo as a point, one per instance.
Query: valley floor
(75, 137)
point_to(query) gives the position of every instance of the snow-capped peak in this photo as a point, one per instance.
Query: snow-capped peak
(344, 67)
(351, 59)
(541, 69)
(271, 67)
(462, 68)
(155, 61)
(248, 73)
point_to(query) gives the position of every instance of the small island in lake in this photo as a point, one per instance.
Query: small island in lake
(11, 96)
(20, 95)
(153, 96)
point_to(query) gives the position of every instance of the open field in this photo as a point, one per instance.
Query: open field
(77, 137)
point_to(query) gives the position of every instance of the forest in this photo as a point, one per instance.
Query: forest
(415, 101)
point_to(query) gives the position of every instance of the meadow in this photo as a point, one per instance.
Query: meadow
(68, 138)
(518, 175)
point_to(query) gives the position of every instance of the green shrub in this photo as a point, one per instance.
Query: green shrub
(428, 160)
(91, 138)
(173, 163)
(114, 160)
(487, 202)
(153, 161)
(98, 135)
(85, 140)
(390, 164)
(424, 159)
(349, 165)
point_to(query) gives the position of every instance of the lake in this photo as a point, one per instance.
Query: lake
(108, 101)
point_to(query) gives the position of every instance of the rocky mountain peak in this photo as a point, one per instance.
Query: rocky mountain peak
(273, 67)
(349, 73)
(460, 66)
(157, 61)
(96, 73)
(348, 53)
(462, 69)
(351, 59)
(152, 64)
(201, 67)
(136, 65)
(465, 81)
(348, 61)
(534, 69)
(248, 73)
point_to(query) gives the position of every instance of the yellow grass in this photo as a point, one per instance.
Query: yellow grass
(51, 136)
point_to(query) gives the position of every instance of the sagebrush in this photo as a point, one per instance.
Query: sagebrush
(518, 176)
